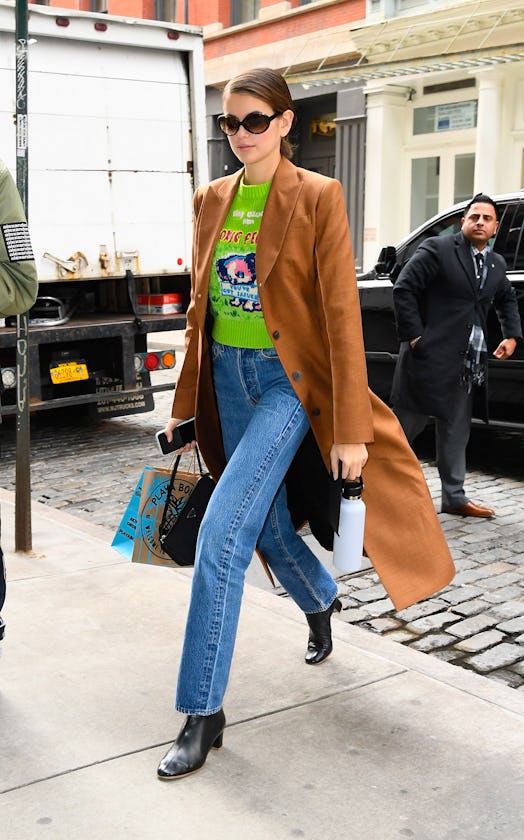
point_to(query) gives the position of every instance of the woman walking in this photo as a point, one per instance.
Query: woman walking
(275, 376)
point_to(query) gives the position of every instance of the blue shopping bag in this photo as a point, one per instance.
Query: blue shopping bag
(124, 538)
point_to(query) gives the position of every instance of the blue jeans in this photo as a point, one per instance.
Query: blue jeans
(263, 425)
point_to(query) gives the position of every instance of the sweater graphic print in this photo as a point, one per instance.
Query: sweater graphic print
(238, 280)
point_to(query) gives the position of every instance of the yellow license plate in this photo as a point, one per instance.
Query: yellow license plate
(68, 372)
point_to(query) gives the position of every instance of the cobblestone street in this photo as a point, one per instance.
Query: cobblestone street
(90, 467)
(478, 621)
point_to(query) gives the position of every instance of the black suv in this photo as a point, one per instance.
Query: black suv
(506, 378)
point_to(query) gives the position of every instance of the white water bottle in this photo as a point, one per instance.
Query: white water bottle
(349, 542)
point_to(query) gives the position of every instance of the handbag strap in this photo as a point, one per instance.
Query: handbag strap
(172, 482)
(170, 490)
(197, 453)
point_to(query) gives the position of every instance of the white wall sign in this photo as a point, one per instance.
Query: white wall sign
(455, 116)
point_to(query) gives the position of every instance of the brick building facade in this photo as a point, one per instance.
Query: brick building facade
(412, 104)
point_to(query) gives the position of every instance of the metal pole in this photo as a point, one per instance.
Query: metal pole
(23, 540)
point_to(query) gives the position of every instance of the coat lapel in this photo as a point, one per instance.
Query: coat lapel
(280, 206)
(464, 256)
(213, 212)
(490, 268)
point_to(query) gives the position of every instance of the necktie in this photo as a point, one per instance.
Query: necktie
(479, 259)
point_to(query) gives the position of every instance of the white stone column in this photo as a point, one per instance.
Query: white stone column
(386, 115)
(488, 150)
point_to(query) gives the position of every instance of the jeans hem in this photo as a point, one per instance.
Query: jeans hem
(323, 609)
(202, 712)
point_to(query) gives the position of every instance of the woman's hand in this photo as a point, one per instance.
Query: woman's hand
(171, 425)
(353, 456)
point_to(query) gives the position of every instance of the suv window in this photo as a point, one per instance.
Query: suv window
(448, 224)
(510, 237)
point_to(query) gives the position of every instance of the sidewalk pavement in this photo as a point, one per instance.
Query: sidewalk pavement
(166, 340)
(381, 742)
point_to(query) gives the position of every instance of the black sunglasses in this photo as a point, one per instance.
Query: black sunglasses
(255, 122)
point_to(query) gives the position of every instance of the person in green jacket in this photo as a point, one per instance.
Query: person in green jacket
(18, 279)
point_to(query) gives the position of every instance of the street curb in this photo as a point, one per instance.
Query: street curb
(68, 520)
(469, 682)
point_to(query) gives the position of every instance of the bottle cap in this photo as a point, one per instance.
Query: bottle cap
(353, 489)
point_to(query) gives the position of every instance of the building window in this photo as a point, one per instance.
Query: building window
(392, 8)
(165, 10)
(464, 174)
(452, 116)
(382, 8)
(425, 177)
(242, 11)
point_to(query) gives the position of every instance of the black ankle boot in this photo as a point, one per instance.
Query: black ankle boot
(188, 754)
(320, 645)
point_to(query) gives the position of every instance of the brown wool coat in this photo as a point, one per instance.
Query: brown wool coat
(308, 291)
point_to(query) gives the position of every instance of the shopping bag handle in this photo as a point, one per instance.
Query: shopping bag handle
(172, 482)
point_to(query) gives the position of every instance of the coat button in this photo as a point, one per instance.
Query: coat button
(296, 375)
(276, 334)
(315, 412)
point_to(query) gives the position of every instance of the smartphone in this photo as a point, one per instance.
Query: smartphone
(182, 434)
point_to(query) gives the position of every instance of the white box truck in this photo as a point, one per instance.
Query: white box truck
(116, 146)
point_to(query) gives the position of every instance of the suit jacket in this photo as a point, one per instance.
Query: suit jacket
(437, 297)
(307, 287)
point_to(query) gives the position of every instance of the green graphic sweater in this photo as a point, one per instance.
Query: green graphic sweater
(233, 294)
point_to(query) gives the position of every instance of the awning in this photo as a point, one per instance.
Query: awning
(471, 35)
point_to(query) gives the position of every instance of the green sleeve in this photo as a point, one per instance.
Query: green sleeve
(18, 278)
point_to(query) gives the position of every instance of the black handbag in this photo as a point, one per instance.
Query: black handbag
(182, 516)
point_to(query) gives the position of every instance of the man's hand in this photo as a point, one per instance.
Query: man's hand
(505, 349)
(353, 457)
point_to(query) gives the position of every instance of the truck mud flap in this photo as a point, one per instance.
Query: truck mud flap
(130, 402)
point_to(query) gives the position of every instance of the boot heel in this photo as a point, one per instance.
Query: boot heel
(217, 743)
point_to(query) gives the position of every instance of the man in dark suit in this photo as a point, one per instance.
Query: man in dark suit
(441, 299)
